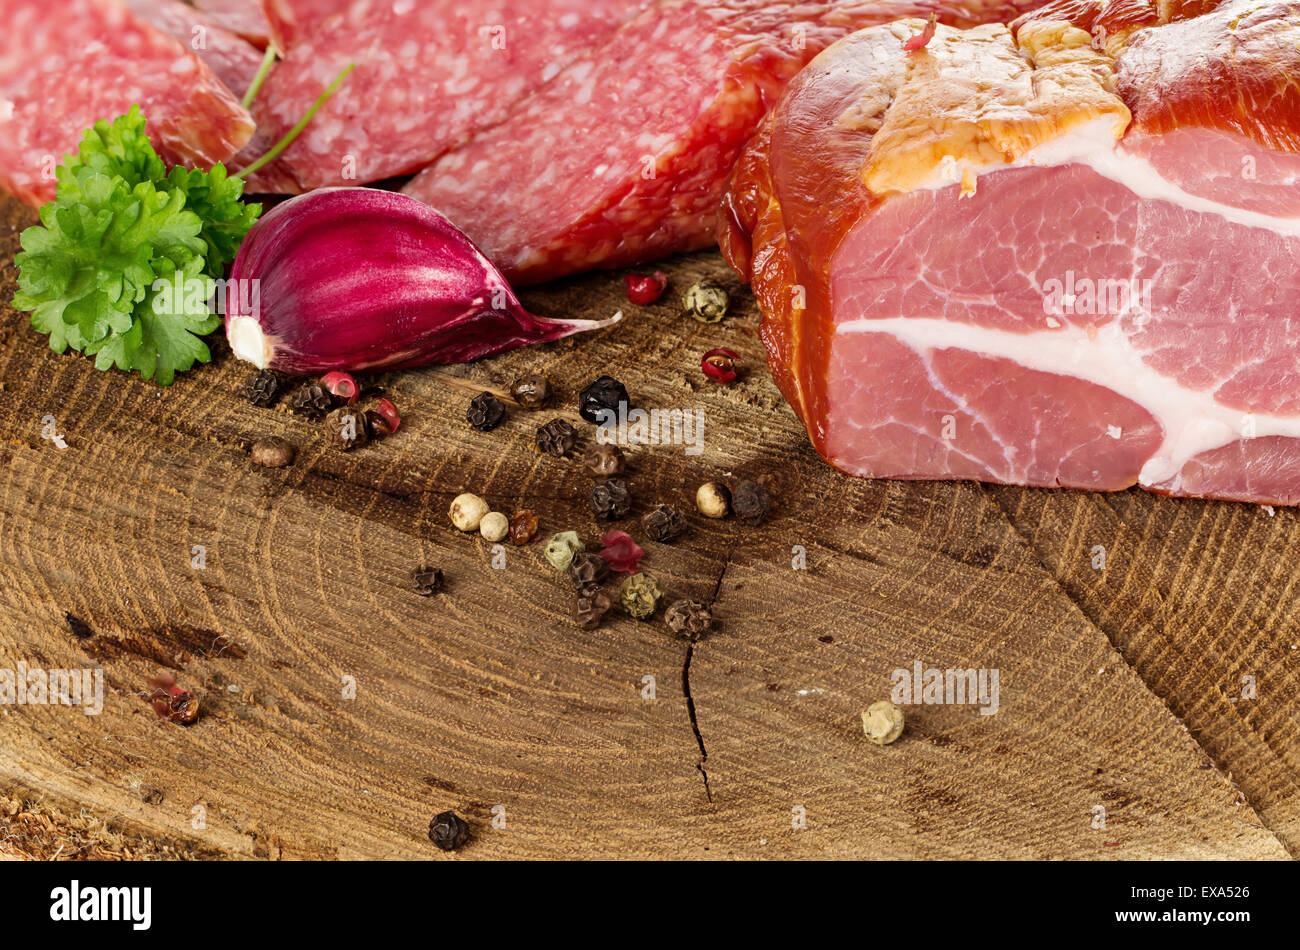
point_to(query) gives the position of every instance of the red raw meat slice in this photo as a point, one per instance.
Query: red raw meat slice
(293, 20)
(427, 75)
(613, 164)
(1013, 259)
(59, 75)
(241, 17)
(232, 58)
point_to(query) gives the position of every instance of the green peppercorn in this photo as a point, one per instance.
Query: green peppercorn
(561, 549)
(706, 301)
(640, 595)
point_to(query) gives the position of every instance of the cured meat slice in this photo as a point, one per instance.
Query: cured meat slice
(293, 20)
(242, 17)
(59, 75)
(232, 58)
(1040, 256)
(427, 75)
(622, 158)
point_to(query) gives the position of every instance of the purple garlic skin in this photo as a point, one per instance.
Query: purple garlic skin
(361, 279)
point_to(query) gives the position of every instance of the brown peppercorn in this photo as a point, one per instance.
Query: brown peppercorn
(523, 527)
(347, 428)
(264, 388)
(610, 499)
(448, 831)
(274, 452)
(485, 412)
(587, 571)
(751, 502)
(664, 523)
(604, 460)
(426, 580)
(713, 499)
(532, 391)
(312, 400)
(689, 619)
(556, 438)
(590, 608)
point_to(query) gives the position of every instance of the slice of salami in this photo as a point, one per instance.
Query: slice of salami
(241, 17)
(60, 74)
(427, 75)
(232, 58)
(623, 157)
(291, 21)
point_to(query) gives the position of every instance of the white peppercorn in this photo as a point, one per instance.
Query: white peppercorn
(882, 722)
(713, 499)
(494, 526)
(467, 511)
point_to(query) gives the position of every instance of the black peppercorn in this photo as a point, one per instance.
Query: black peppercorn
(264, 388)
(604, 394)
(312, 400)
(750, 501)
(426, 580)
(532, 391)
(587, 571)
(664, 523)
(485, 412)
(556, 438)
(448, 831)
(348, 428)
(689, 619)
(589, 609)
(610, 499)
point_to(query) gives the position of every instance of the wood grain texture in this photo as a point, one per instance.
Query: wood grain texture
(1117, 686)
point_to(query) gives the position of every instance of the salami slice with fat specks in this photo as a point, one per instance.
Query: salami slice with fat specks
(60, 73)
(232, 58)
(241, 17)
(292, 21)
(428, 74)
(622, 158)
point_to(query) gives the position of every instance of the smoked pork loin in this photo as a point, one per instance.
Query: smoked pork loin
(1064, 252)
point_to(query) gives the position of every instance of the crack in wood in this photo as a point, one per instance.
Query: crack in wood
(686, 683)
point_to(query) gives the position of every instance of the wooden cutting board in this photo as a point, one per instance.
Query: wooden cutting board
(1121, 688)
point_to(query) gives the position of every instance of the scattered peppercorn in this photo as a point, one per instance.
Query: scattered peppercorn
(467, 511)
(882, 722)
(312, 400)
(706, 301)
(485, 412)
(556, 438)
(610, 499)
(171, 702)
(264, 388)
(378, 425)
(448, 831)
(532, 391)
(620, 552)
(640, 595)
(643, 289)
(721, 366)
(664, 523)
(603, 395)
(274, 452)
(342, 386)
(713, 499)
(386, 409)
(494, 526)
(426, 580)
(604, 460)
(523, 526)
(347, 428)
(751, 502)
(689, 619)
(589, 609)
(561, 549)
(587, 571)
